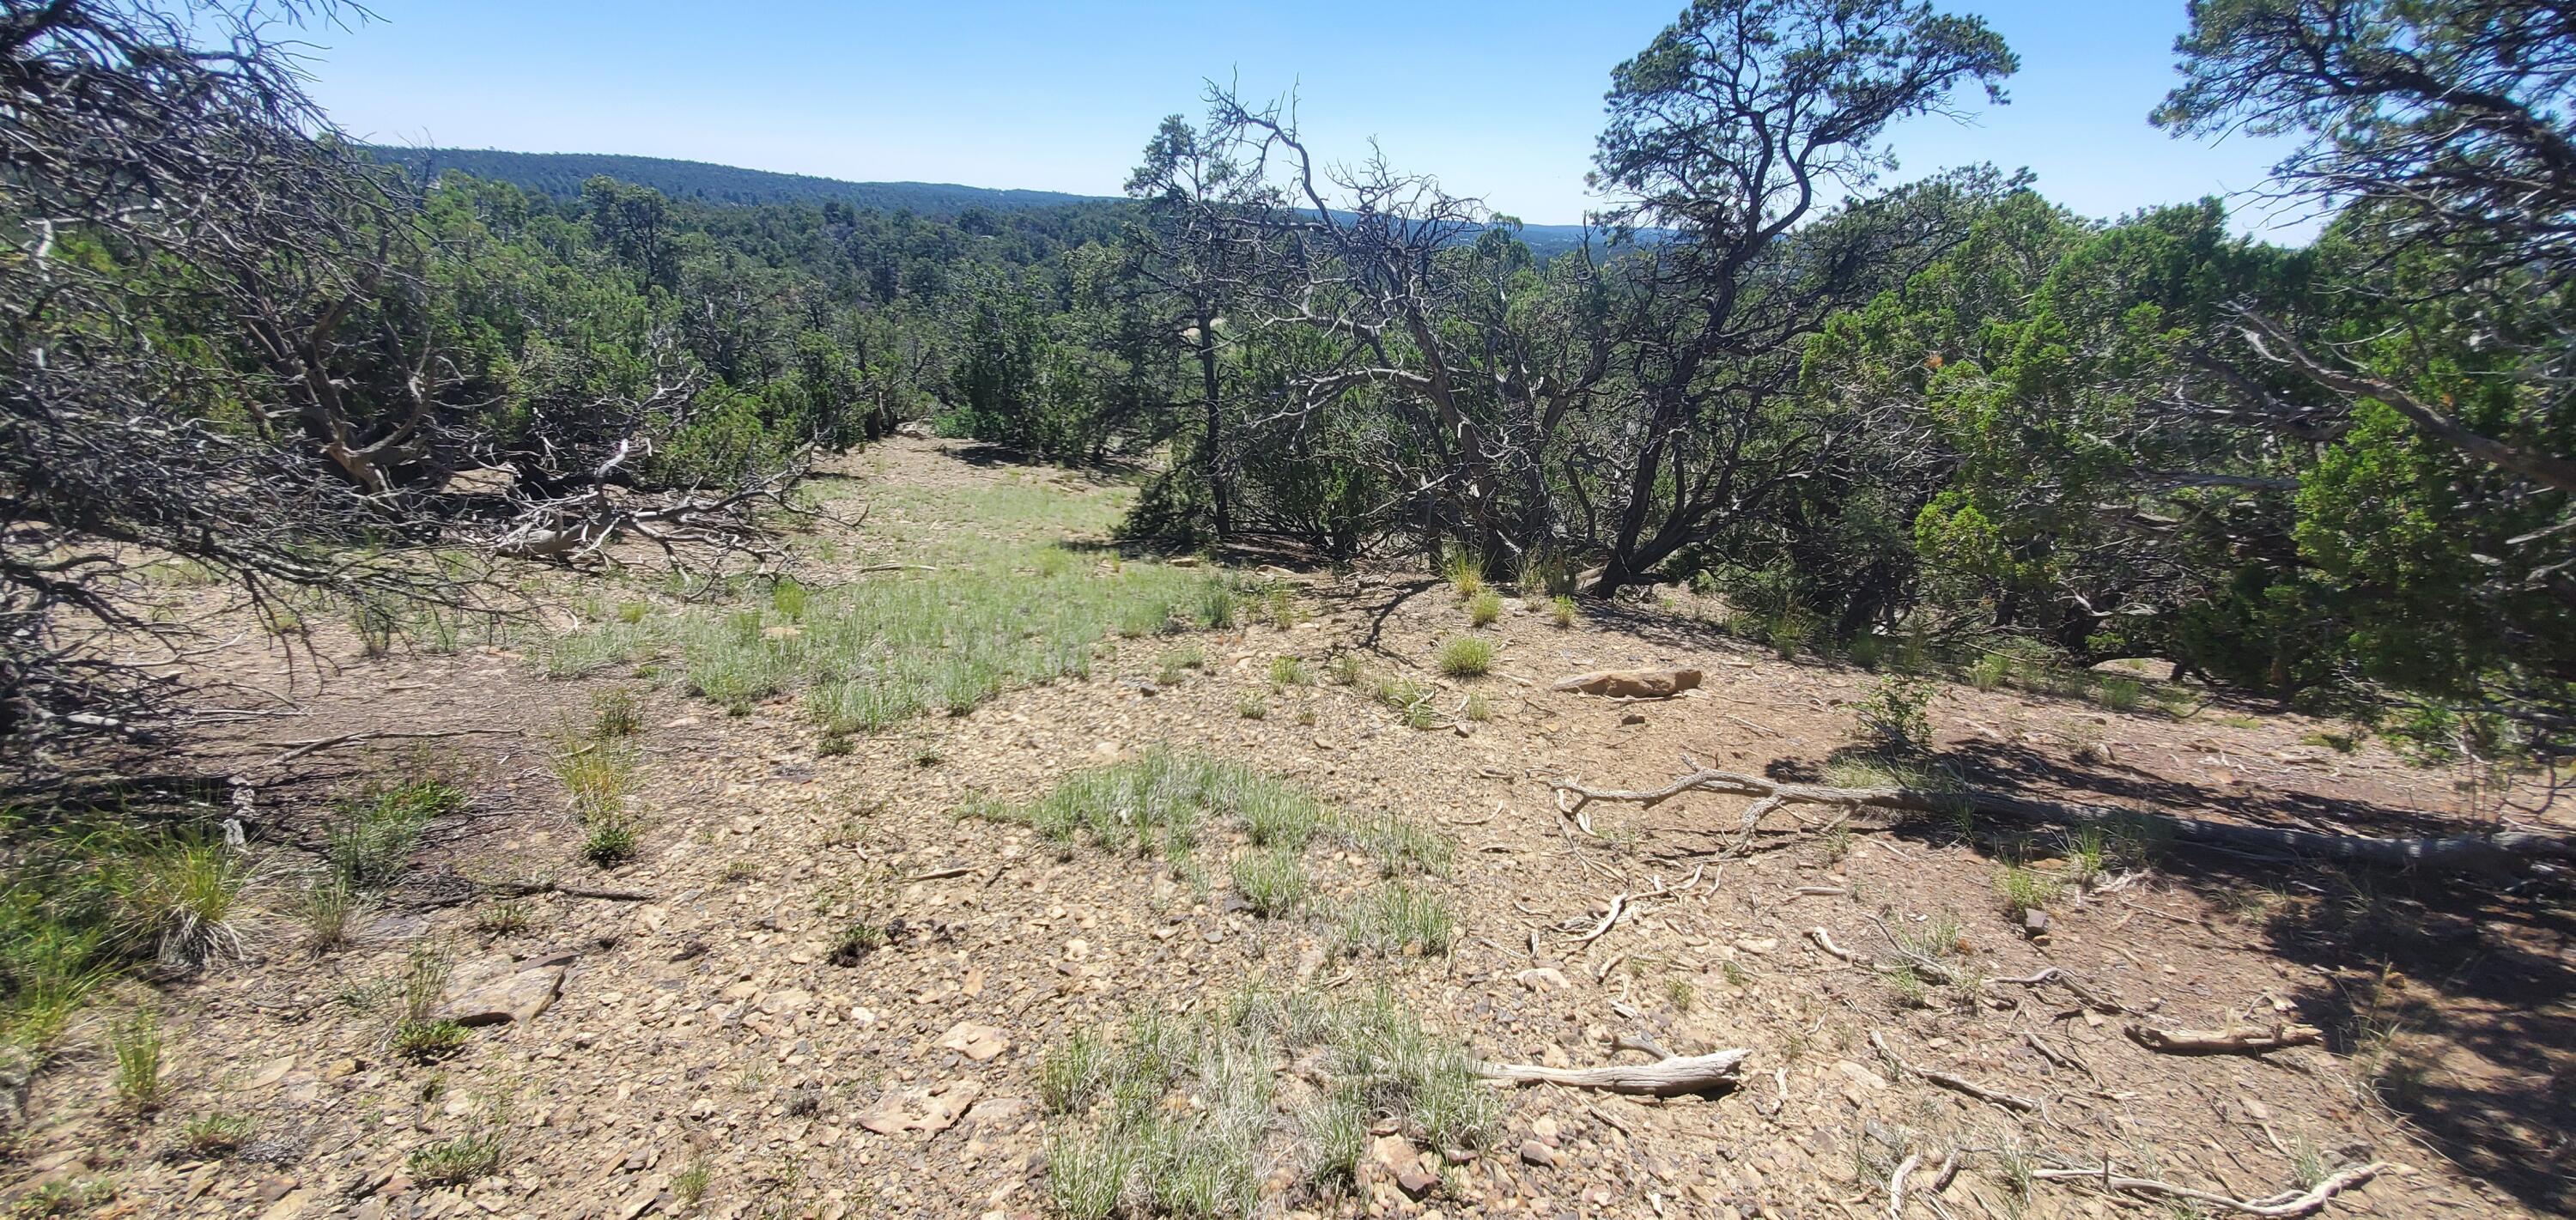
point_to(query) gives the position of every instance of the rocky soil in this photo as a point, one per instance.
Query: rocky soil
(678, 1037)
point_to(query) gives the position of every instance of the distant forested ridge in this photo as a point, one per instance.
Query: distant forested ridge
(560, 176)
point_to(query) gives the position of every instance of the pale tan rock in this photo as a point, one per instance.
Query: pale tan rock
(977, 1042)
(930, 1110)
(1543, 978)
(496, 990)
(1633, 683)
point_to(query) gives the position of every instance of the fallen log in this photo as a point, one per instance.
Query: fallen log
(2238, 1040)
(1669, 1077)
(2481, 853)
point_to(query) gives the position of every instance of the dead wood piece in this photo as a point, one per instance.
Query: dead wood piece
(1957, 1084)
(1633, 683)
(1667, 1078)
(1825, 941)
(2236, 1040)
(319, 744)
(1896, 1185)
(2492, 854)
(2286, 1203)
(2086, 994)
(523, 889)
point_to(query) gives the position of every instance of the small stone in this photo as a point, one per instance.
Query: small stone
(1633, 718)
(1394, 1155)
(977, 1042)
(786, 1002)
(1543, 978)
(1536, 1153)
(2034, 924)
(269, 1073)
(1417, 1181)
(1544, 1130)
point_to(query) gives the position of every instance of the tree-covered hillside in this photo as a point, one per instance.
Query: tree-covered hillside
(561, 175)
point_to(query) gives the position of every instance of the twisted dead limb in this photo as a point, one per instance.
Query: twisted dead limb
(2239, 1040)
(1670, 1076)
(2286, 1203)
(2487, 853)
(1958, 1084)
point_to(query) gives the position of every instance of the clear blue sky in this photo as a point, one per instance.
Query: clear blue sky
(1500, 99)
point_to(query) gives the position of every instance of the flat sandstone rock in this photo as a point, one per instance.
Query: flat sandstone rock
(497, 990)
(1634, 683)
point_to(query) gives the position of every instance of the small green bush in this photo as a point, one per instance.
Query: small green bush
(427, 1041)
(1467, 656)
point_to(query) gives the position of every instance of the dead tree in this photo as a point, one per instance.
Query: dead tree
(1411, 301)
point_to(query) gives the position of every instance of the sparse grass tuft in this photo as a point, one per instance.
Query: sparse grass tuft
(611, 840)
(1156, 804)
(326, 907)
(1289, 671)
(1464, 572)
(371, 839)
(1169, 1116)
(1560, 610)
(2023, 890)
(616, 713)
(1272, 883)
(2088, 854)
(134, 1045)
(1253, 705)
(1484, 609)
(689, 1186)
(208, 1136)
(477, 1154)
(1400, 847)
(2119, 694)
(184, 895)
(428, 1041)
(1467, 656)
(507, 917)
(1395, 920)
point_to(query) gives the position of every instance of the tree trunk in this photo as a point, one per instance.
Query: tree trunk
(1212, 456)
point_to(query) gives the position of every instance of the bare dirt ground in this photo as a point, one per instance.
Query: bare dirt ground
(702, 1024)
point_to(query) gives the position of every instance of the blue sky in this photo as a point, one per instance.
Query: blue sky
(1500, 99)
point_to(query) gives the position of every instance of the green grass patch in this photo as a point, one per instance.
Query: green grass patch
(1467, 656)
(1173, 1115)
(1397, 919)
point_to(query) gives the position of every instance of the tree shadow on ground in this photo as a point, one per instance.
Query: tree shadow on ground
(2017, 767)
(2451, 1000)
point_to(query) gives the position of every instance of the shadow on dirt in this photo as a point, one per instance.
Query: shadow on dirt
(2451, 1000)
